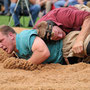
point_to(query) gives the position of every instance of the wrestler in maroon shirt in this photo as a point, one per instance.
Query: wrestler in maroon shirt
(70, 19)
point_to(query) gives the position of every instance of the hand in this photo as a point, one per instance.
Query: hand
(57, 33)
(78, 47)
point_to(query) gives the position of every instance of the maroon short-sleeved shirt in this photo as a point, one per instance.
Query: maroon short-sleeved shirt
(69, 18)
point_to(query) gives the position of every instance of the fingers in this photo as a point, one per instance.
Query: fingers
(78, 48)
(58, 37)
(58, 33)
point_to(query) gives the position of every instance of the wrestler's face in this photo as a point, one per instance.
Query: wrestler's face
(6, 42)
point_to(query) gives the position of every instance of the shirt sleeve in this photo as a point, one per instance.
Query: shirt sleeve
(31, 39)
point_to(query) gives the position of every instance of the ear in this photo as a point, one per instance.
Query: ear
(11, 35)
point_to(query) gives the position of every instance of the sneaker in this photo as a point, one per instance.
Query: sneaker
(8, 14)
(1, 13)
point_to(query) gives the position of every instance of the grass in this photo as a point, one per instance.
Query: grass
(24, 20)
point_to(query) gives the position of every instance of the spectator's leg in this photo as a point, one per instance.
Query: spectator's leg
(59, 4)
(48, 6)
(34, 10)
(85, 2)
(88, 4)
(6, 5)
(73, 3)
(16, 14)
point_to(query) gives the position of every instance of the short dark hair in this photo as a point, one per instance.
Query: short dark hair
(6, 29)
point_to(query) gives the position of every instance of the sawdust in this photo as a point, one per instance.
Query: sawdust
(13, 63)
(4, 55)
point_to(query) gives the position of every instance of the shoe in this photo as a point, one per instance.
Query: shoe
(30, 25)
(18, 25)
(1, 13)
(8, 14)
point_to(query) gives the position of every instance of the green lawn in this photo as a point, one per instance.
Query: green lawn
(24, 20)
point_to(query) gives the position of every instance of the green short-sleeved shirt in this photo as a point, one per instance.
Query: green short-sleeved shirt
(24, 42)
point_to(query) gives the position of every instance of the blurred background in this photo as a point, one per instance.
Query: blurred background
(25, 13)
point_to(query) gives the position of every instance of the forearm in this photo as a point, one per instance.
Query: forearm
(39, 56)
(85, 31)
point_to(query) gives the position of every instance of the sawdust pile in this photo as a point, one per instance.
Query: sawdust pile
(13, 63)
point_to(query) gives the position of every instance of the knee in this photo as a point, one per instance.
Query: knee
(12, 6)
(56, 5)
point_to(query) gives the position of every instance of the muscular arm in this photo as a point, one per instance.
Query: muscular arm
(40, 51)
(85, 31)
